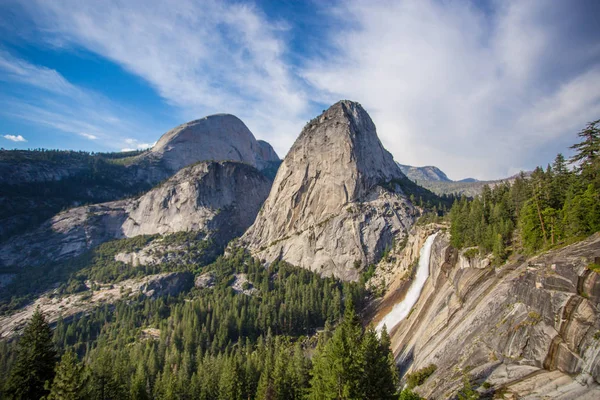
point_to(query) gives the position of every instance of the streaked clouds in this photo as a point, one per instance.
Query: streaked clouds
(477, 89)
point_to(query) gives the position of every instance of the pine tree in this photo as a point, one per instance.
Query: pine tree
(560, 183)
(380, 377)
(69, 382)
(339, 365)
(138, 391)
(35, 362)
(587, 154)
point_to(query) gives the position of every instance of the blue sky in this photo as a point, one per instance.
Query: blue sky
(477, 88)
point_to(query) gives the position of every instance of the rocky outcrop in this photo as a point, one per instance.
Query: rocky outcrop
(529, 329)
(220, 198)
(170, 284)
(215, 137)
(54, 307)
(334, 206)
(205, 281)
(26, 170)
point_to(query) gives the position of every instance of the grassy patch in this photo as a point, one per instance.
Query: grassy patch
(419, 377)
(594, 267)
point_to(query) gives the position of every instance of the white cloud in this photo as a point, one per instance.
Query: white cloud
(134, 144)
(15, 138)
(88, 136)
(472, 92)
(476, 89)
(202, 57)
(17, 70)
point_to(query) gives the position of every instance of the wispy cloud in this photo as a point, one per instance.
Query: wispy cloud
(88, 136)
(15, 69)
(44, 97)
(15, 138)
(476, 88)
(202, 57)
(473, 91)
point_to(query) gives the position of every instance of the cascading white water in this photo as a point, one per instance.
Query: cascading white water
(401, 310)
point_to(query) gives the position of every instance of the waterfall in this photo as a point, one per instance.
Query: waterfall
(402, 309)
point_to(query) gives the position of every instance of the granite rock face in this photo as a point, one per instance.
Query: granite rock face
(334, 206)
(427, 173)
(220, 198)
(71, 179)
(266, 154)
(530, 328)
(215, 137)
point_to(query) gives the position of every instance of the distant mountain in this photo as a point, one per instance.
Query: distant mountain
(219, 137)
(437, 181)
(427, 173)
(35, 185)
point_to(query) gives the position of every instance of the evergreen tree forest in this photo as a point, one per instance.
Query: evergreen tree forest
(291, 336)
(555, 205)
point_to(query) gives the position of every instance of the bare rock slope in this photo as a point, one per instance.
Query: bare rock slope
(529, 329)
(334, 206)
(220, 198)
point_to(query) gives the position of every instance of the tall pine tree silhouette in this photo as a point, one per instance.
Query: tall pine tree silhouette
(36, 358)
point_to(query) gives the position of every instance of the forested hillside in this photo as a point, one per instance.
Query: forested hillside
(553, 206)
(213, 342)
(36, 184)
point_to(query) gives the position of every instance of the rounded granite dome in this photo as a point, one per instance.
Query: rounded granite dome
(219, 137)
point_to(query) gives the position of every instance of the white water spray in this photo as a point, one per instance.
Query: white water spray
(402, 309)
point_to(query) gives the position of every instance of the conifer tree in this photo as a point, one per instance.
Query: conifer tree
(408, 394)
(339, 365)
(587, 154)
(36, 358)
(69, 381)
(380, 377)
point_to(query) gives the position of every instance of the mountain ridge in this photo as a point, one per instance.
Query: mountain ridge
(434, 179)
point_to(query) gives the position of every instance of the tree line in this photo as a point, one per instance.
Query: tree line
(552, 206)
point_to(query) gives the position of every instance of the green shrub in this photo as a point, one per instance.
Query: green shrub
(419, 377)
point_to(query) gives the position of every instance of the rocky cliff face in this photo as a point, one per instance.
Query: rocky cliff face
(334, 206)
(220, 198)
(36, 185)
(529, 329)
(215, 137)
(266, 153)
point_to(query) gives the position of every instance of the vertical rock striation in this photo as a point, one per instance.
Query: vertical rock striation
(530, 328)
